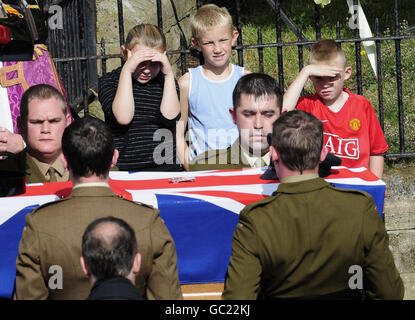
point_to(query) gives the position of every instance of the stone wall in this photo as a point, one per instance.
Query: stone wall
(136, 12)
(142, 11)
(400, 221)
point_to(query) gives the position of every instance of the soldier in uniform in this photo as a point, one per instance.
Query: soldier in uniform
(43, 118)
(48, 259)
(257, 102)
(309, 240)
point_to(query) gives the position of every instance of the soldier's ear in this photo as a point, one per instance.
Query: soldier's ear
(233, 114)
(137, 263)
(68, 119)
(114, 158)
(323, 153)
(274, 154)
(84, 267)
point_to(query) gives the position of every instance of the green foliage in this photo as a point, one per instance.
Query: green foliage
(301, 12)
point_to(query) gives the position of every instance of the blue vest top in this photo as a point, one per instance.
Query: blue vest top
(210, 123)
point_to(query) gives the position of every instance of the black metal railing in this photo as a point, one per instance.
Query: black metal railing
(78, 68)
(73, 48)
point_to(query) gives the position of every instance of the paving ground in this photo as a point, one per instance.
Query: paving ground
(400, 222)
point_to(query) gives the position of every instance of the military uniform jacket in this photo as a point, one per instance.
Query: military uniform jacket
(33, 174)
(304, 241)
(222, 159)
(48, 260)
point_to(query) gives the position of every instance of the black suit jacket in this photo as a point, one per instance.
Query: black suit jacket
(118, 288)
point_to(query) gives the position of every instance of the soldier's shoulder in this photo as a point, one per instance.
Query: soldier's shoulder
(48, 206)
(201, 158)
(136, 203)
(351, 193)
(210, 160)
(259, 204)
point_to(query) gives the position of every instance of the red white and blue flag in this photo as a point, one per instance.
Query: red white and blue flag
(201, 214)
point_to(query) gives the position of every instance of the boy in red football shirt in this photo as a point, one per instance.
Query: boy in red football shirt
(351, 128)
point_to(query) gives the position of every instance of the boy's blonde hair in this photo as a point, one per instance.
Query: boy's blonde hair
(326, 51)
(147, 35)
(210, 16)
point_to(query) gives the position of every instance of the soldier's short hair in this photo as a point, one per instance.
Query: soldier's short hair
(258, 85)
(41, 92)
(88, 145)
(298, 137)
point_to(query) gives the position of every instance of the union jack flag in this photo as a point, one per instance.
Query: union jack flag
(201, 212)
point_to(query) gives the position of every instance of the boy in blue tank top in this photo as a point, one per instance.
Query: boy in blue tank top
(206, 91)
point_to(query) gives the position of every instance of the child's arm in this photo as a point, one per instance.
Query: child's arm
(170, 106)
(376, 163)
(123, 104)
(293, 92)
(182, 147)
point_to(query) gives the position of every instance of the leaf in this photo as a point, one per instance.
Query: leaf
(322, 3)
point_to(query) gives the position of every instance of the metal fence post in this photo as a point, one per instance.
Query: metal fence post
(399, 80)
